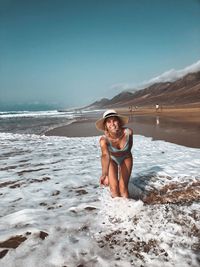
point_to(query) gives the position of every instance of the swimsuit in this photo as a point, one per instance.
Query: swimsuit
(126, 150)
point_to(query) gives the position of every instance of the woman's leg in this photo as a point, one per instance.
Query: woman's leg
(113, 179)
(125, 173)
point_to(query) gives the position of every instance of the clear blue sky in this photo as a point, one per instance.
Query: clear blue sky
(73, 52)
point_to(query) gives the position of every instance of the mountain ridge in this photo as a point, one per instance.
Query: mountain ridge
(185, 90)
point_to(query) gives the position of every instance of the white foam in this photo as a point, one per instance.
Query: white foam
(53, 187)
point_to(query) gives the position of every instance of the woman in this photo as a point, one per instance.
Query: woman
(116, 158)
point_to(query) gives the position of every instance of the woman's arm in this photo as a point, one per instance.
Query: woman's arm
(130, 138)
(105, 160)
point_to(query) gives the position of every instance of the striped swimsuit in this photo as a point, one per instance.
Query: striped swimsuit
(125, 152)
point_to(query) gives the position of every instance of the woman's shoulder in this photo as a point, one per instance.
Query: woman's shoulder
(102, 139)
(128, 130)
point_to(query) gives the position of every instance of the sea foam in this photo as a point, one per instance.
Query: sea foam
(53, 208)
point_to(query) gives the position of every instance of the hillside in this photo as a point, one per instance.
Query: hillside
(181, 92)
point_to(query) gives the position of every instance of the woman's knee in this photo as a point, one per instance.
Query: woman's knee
(123, 190)
(114, 190)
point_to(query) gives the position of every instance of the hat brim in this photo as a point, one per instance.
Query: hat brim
(100, 123)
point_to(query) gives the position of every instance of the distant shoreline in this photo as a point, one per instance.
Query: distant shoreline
(181, 113)
(179, 126)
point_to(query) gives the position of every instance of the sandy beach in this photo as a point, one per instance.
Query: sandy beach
(176, 125)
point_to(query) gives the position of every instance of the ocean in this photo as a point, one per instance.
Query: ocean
(38, 122)
(54, 214)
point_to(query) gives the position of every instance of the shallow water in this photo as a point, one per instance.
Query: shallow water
(168, 129)
(39, 122)
(54, 210)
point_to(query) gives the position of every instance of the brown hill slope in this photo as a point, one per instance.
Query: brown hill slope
(183, 91)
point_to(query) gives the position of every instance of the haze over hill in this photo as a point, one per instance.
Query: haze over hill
(185, 90)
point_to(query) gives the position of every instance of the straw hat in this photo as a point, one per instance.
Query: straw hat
(110, 113)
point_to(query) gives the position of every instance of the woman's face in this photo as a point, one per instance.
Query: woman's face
(112, 124)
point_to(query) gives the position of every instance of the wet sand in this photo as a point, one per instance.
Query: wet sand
(177, 129)
(169, 129)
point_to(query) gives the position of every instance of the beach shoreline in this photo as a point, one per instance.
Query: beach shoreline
(180, 126)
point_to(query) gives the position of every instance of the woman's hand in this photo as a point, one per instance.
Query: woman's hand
(104, 180)
(105, 160)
